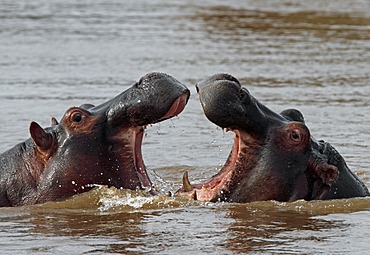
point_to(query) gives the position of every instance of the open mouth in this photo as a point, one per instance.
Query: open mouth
(217, 188)
(138, 134)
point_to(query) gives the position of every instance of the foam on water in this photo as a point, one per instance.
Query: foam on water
(125, 199)
(310, 55)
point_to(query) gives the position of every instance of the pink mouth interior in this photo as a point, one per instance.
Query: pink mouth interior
(138, 157)
(207, 190)
(176, 108)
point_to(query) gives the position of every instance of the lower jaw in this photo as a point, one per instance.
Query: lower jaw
(216, 188)
(129, 171)
(138, 161)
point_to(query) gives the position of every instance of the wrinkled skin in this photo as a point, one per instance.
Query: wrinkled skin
(90, 145)
(274, 156)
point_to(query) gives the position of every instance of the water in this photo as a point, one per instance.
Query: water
(311, 55)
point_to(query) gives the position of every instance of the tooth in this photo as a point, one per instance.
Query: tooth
(54, 122)
(185, 182)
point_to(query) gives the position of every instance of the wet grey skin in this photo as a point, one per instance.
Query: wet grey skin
(90, 145)
(274, 156)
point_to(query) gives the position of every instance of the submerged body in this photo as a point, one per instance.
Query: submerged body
(274, 156)
(90, 145)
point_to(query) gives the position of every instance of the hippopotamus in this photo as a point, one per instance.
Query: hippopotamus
(90, 145)
(274, 156)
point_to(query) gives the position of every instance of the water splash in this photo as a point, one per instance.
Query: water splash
(172, 123)
(126, 199)
(112, 199)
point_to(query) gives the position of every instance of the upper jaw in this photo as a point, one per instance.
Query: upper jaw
(227, 104)
(155, 97)
(220, 97)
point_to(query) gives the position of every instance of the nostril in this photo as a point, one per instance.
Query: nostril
(196, 87)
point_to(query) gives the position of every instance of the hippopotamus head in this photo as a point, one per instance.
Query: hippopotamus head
(272, 156)
(92, 144)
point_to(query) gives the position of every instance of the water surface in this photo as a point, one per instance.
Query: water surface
(311, 55)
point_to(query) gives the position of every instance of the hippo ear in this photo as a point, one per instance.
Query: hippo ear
(324, 176)
(87, 106)
(42, 139)
(293, 115)
(328, 174)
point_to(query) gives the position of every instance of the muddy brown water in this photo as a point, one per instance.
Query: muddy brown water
(311, 55)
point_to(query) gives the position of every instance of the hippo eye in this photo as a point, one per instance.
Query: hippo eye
(77, 117)
(295, 136)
